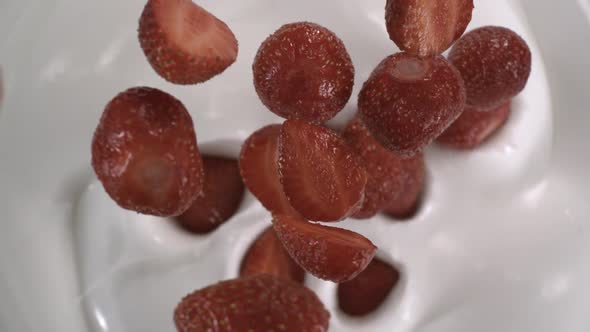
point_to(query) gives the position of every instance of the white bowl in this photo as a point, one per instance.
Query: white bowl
(498, 245)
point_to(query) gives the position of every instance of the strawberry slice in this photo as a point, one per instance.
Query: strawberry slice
(474, 126)
(184, 43)
(328, 253)
(221, 197)
(145, 153)
(268, 256)
(365, 293)
(321, 175)
(387, 172)
(259, 169)
(257, 303)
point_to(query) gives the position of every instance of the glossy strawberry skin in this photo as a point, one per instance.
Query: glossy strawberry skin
(321, 175)
(387, 173)
(303, 71)
(475, 126)
(221, 197)
(257, 303)
(427, 27)
(259, 169)
(328, 253)
(495, 64)
(268, 256)
(367, 292)
(194, 51)
(145, 153)
(407, 102)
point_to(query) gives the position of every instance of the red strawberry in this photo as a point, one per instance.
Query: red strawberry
(268, 256)
(303, 71)
(474, 126)
(407, 101)
(321, 175)
(184, 43)
(411, 189)
(221, 197)
(259, 169)
(387, 173)
(365, 293)
(328, 253)
(427, 27)
(495, 64)
(257, 303)
(145, 153)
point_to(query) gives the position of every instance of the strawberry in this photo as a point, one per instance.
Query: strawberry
(259, 169)
(184, 43)
(365, 293)
(257, 303)
(268, 256)
(328, 253)
(411, 188)
(303, 71)
(495, 64)
(321, 175)
(387, 173)
(427, 27)
(145, 153)
(407, 101)
(474, 126)
(220, 199)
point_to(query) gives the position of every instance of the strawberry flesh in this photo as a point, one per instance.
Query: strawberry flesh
(221, 197)
(321, 175)
(328, 253)
(184, 43)
(257, 303)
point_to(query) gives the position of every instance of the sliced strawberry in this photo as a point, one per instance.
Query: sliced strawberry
(268, 256)
(474, 126)
(387, 173)
(411, 188)
(220, 199)
(328, 253)
(184, 43)
(257, 303)
(365, 293)
(145, 153)
(321, 175)
(259, 169)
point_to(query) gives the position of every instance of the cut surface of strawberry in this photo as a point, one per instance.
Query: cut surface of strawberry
(387, 173)
(328, 253)
(367, 292)
(221, 197)
(475, 126)
(184, 43)
(257, 303)
(259, 169)
(321, 175)
(145, 153)
(268, 256)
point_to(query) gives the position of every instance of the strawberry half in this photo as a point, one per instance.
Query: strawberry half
(257, 303)
(259, 169)
(268, 256)
(365, 293)
(474, 126)
(221, 197)
(321, 175)
(145, 153)
(184, 43)
(387, 173)
(328, 253)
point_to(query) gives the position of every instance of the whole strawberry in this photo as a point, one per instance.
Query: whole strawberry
(184, 43)
(258, 303)
(145, 153)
